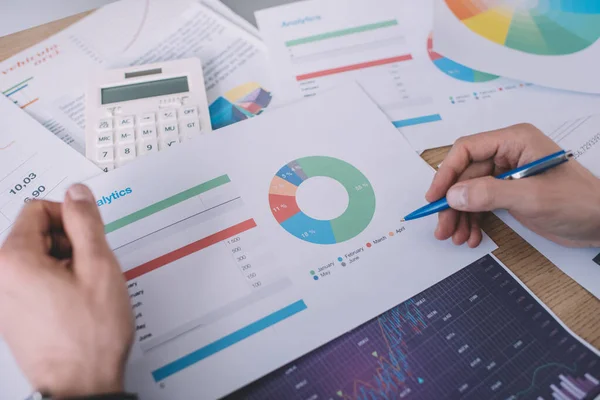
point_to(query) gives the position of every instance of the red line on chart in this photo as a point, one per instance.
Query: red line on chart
(30, 103)
(369, 64)
(7, 146)
(189, 249)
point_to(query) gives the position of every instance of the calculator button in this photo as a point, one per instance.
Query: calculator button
(125, 122)
(167, 115)
(169, 141)
(169, 129)
(189, 112)
(147, 132)
(126, 136)
(126, 152)
(147, 146)
(105, 155)
(104, 125)
(105, 139)
(107, 167)
(149, 118)
(190, 128)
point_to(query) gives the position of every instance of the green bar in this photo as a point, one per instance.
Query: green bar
(343, 32)
(166, 203)
(18, 84)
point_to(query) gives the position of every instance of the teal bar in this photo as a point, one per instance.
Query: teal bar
(342, 32)
(166, 203)
(227, 341)
(417, 121)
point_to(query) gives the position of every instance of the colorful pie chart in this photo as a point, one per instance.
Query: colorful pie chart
(454, 69)
(544, 27)
(285, 209)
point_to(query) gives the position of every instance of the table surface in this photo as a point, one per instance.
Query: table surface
(578, 309)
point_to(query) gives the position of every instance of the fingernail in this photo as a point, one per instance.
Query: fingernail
(80, 192)
(457, 196)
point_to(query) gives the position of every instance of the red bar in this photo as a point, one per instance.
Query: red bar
(189, 249)
(347, 68)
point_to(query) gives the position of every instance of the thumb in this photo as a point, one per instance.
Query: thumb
(85, 229)
(483, 194)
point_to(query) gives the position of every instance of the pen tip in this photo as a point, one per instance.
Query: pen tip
(402, 220)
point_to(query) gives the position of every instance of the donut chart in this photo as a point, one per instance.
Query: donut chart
(542, 27)
(285, 209)
(454, 69)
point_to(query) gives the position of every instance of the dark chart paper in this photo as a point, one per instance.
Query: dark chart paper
(476, 335)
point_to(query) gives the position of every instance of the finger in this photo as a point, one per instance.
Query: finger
(447, 221)
(477, 170)
(486, 194)
(463, 230)
(84, 228)
(503, 146)
(34, 225)
(476, 235)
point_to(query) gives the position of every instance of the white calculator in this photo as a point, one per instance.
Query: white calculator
(134, 111)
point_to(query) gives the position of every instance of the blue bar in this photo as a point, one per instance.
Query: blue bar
(417, 121)
(15, 91)
(229, 340)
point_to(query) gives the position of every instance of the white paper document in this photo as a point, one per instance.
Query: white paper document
(582, 136)
(48, 80)
(33, 164)
(550, 43)
(387, 46)
(234, 63)
(242, 243)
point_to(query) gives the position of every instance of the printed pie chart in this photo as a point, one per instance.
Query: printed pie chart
(543, 27)
(285, 209)
(454, 69)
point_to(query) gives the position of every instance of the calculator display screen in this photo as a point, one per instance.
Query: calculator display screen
(144, 90)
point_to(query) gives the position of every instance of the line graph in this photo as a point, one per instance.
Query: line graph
(476, 335)
(572, 369)
(394, 369)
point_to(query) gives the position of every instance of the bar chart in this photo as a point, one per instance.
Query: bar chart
(202, 241)
(375, 53)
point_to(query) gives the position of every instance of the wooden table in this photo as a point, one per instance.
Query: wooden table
(573, 304)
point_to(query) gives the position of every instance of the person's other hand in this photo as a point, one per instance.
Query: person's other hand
(64, 306)
(562, 204)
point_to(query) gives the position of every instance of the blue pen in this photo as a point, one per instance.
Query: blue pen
(533, 168)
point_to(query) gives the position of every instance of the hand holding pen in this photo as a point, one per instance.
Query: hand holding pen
(561, 204)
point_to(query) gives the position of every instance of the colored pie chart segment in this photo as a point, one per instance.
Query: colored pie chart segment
(285, 209)
(454, 69)
(543, 27)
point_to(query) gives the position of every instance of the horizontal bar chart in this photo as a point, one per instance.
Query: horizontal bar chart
(166, 203)
(221, 344)
(189, 249)
(417, 121)
(354, 67)
(341, 32)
